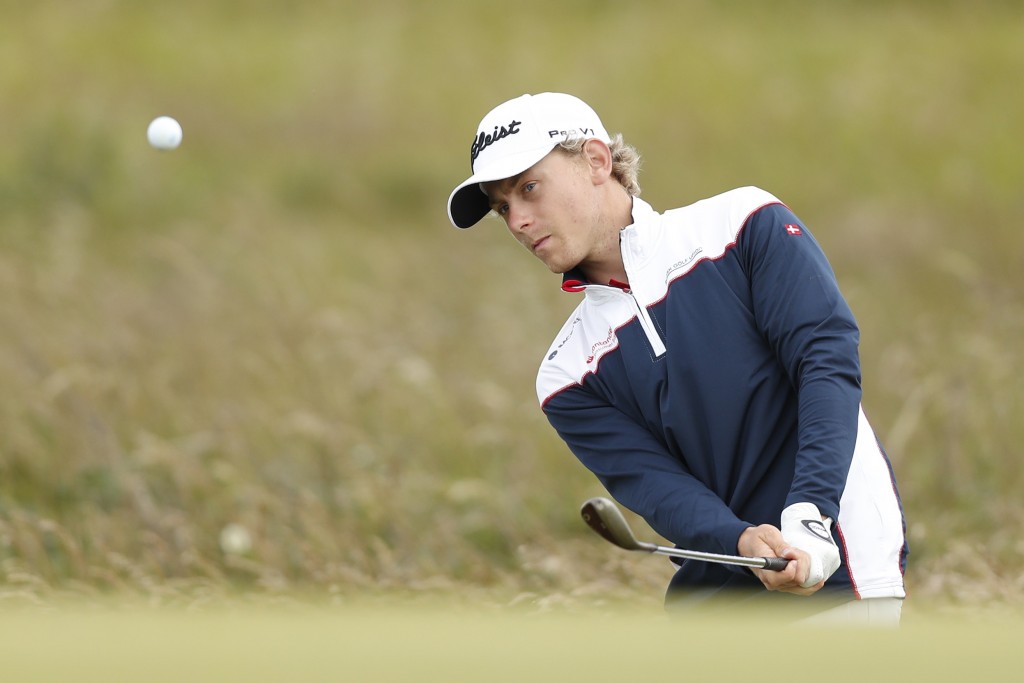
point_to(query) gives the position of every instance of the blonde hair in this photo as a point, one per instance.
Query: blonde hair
(625, 160)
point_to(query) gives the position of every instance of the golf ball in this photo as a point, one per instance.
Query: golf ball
(164, 133)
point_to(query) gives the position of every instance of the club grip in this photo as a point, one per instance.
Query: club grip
(775, 564)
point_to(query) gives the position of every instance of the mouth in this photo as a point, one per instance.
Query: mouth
(539, 243)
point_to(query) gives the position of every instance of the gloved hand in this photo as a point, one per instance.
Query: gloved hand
(803, 527)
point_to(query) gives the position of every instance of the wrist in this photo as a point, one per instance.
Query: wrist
(805, 528)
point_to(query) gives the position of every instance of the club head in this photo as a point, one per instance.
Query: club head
(606, 519)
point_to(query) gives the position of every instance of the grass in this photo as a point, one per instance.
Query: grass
(354, 641)
(274, 326)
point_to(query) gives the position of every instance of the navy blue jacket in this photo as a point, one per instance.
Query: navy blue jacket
(721, 385)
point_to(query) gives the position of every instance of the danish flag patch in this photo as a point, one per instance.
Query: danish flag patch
(793, 229)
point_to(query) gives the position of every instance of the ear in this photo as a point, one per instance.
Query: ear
(598, 156)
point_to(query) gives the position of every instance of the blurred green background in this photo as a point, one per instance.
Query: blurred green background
(265, 364)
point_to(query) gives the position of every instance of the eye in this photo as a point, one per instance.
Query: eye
(528, 187)
(501, 209)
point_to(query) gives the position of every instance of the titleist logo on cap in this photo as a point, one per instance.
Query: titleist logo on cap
(483, 141)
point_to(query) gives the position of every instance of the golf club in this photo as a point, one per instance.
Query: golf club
(602, 516)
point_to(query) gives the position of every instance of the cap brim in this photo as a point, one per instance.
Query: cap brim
(467, 203)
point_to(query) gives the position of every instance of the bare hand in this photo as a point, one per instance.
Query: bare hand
(767, 541)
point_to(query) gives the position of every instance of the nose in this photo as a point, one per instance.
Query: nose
(518, 218)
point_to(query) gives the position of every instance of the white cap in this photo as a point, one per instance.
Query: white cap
(514, 136)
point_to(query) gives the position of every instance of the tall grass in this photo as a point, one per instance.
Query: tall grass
(273, 331)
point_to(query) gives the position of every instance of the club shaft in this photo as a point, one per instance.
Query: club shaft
(755, 562)
(606, 519)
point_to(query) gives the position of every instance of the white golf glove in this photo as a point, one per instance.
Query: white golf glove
(803, 527)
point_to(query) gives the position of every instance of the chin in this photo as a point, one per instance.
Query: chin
(557, 268)
(557, 263)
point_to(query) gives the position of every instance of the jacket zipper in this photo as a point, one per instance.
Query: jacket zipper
(642, 314)
(655, 340)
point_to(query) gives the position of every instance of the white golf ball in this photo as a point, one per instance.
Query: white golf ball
(164, 133)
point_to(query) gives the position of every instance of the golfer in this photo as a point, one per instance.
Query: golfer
(710, 376)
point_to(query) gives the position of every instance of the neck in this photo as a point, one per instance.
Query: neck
(605, 263)
(603, 274)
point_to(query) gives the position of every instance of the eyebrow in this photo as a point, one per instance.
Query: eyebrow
(501, 186)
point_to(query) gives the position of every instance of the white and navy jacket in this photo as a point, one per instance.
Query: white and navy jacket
(721, 385)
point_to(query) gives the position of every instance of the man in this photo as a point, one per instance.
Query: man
(710, 376)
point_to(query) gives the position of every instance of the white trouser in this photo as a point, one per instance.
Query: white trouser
(868, 612)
